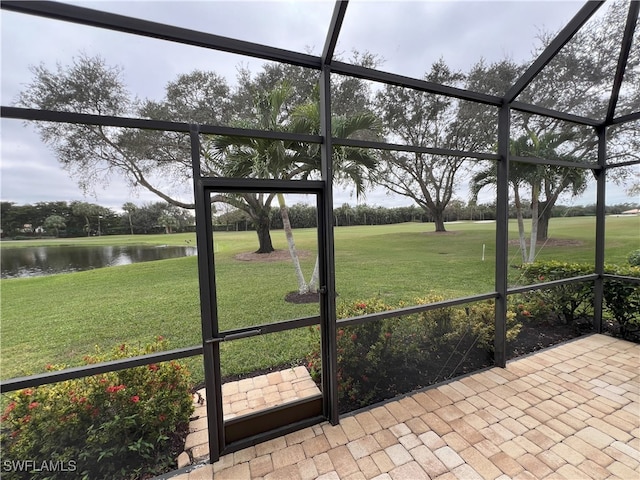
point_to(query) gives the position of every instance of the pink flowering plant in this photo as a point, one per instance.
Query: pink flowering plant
(123, 424)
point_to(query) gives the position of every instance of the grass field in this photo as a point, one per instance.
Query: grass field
(60, 318)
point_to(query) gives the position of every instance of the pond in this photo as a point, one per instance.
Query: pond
(49, 260)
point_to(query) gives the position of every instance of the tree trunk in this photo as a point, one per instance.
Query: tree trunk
(521, 236)
(313, 283)
(438, 219)
(264, 234)
(534, 223)
(543, 221)
(286, 225)
(130, 225)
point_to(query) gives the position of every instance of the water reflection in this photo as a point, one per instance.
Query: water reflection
(49, 260)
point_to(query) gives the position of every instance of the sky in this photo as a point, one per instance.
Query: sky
(408, 35)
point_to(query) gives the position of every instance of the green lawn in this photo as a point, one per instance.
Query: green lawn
(60, 318)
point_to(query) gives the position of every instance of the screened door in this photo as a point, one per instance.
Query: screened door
(265, 302)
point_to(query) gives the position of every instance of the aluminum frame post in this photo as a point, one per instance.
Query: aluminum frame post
(329, 330)
(502, 236)
(329, 345)
(208, 309)
(601, 186)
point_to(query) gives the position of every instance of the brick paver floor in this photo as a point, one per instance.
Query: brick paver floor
(242, 397)
(569, 412)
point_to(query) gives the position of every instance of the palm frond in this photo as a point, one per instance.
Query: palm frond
(350, 126)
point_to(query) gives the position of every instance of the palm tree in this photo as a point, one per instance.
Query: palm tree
(520, 175)
(535, 177)
(129, 208)
(82, 209)
(288, 160)
(351, 165)
(555, 180)
(257, 158)
(549, 179)
(168, 222)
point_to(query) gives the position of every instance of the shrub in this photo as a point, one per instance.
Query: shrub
(622, 298)
(634, 258)
(568, 302)
(114, 425)
(533, 307)
(383, 358)
(480, 319)
(361, 349)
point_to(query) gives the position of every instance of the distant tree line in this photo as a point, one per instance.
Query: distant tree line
(304, 216)
(78, 219)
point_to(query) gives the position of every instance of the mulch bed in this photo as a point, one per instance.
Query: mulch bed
(295, 297)
(552, 242)
(466, 358)
(533, 338)
(275, 256)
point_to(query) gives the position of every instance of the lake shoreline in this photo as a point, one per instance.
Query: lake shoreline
(45, 260)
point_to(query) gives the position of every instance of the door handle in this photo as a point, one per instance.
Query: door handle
(234, 336)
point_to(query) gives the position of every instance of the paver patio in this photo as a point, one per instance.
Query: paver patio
(569, 412)
(246, 396)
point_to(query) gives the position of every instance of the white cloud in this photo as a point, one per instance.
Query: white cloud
(409, 35)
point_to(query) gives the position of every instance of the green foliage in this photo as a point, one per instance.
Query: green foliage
(26, 221)
(54, 222)
(380, 359)
(622, 298)
(113, 425)
(569, 302)
(77, 219)
(481, 321)
(634, 258)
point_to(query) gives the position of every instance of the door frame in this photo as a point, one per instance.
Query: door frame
(241, 432)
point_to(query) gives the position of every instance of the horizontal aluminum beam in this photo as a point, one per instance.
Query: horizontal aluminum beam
(146, 124)
(556, 162)
(622, 164)
(260, 185)
(373, 317)
(96, 369)
(551, 113)
(275, 327)
(608, 276)
(554, 283)
(145, 28)
(347, 142)
(625, 118)
(100, 19)
(408, 82)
